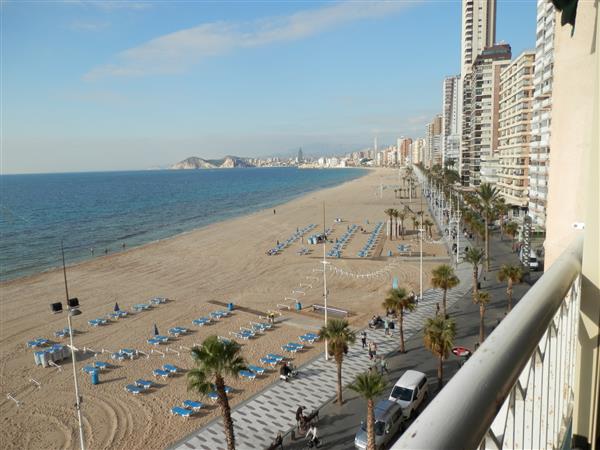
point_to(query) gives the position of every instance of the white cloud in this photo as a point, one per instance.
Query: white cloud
(176, 52)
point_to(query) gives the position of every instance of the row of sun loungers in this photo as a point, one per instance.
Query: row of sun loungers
(366, 250)
(97, 322)
(336, 250)
(189, 408)
(124, 353)
(117, 314)
(293, 238)
(98, 366)
(62, 333)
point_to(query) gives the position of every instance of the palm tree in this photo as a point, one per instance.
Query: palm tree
(444, 278)
(398, 301)
(415, 222)
(439, 340)
(369, 385)
(390, 213)
(512, 228)
(483, 298)
(428, 224)
(401, 215)
(511, 274)
(215, 360)
(474, 256)
(396, 214)
(488, 196)
(339, 337)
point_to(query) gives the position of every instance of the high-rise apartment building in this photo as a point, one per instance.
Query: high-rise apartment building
(417, 149)
(541, 114)
(433, 138)
(514, 132)
(480, 119)
(450, 123)
(478, 32)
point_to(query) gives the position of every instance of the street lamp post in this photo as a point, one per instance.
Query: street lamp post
(72, 310)
(421, 263)
(325, 293)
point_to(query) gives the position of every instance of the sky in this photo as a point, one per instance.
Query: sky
(92, 85)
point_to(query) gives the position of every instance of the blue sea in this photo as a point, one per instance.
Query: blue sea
(103, 210)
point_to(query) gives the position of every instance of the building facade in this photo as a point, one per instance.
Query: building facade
(433, 138)
(541, 113)
(480, 119)
(478, 31)
(516, 94)
(450, 122)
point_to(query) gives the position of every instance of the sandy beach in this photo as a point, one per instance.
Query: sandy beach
(221, 263)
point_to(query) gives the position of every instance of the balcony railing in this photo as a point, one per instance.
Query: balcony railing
(516, 391)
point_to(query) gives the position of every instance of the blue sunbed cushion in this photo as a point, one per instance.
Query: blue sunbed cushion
(179, 411)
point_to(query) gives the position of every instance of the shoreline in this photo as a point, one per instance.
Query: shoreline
(32, 276)
(199, 270)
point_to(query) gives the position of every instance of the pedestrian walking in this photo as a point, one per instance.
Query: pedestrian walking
(374, 349)
(386, 327)
(371, 353)
(437, 308)
(383, 366)
(363, 338)
(274, 212)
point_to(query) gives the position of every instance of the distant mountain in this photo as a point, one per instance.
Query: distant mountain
(193, 162)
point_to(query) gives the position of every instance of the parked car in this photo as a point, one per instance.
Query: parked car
(533, 261)
(409, 391)
(389, 420)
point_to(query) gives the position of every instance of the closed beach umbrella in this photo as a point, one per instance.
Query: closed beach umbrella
(117, 307)
(155, 330)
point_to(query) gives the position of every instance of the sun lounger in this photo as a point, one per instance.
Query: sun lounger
(163, 339)
(170, 368)
(201, 321)
(295, 344)
(223, 339)
(133, 389)
(62, 333)
(257, 370)
(270, 361)
(101, 365)
(182, 412)
(89, 369)
(144, 384)
(131, 353)
(289, 348)
(194, 406)
(279, 358)
(154, 341)
(247, 374)
(158, 300)
(117, 314)
(174, 332)
(120, 356)
(306, 339)
(97, 322)
(38, 342)
(164, 374)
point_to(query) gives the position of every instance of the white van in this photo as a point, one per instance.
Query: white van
(533, 262)
(409, 391)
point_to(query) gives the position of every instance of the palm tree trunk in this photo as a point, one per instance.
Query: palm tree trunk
(444, 302)
(401, 320)
(370, 424)
(487, 246)
(338, 360)
(441, 372)
(509, 292)
(225, 411)
(481, 324)
(475, 290)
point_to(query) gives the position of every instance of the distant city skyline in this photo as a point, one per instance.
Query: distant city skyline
(120, 85)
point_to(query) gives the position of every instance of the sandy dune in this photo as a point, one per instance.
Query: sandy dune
(222, 262)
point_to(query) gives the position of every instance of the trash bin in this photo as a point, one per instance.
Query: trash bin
(298, 306)
(95, 377)
(230, 306)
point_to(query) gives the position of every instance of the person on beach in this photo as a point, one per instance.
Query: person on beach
(274, 212)
(363, 338)
(374, 349)
(106, 251)
(386, 327)
(92, 251)
(123, 245)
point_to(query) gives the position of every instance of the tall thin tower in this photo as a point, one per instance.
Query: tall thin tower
(375, 143)
(478, 31)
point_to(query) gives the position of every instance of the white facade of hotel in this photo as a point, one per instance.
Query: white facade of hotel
(514, 132)
(541, 113)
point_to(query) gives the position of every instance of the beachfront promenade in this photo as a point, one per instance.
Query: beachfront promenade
(257, 420)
